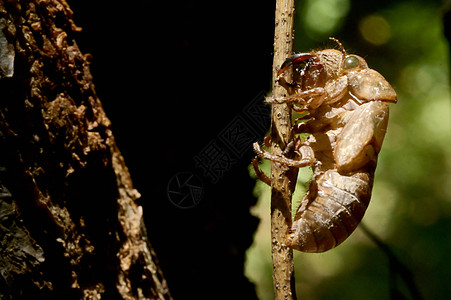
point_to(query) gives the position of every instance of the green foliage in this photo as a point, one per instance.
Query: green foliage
(411, 205)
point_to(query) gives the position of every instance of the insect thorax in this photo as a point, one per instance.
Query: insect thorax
(331, 60)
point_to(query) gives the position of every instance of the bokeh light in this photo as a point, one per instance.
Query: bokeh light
(375, 29)
(321, 17)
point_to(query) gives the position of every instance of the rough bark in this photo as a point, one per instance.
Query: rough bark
(283, 179)
(69, 226)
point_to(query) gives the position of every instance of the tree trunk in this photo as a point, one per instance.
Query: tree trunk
(69, 226)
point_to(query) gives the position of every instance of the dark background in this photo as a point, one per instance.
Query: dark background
(171, 76)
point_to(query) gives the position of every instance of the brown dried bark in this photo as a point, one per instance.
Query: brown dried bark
(283, 178)
(69, 226)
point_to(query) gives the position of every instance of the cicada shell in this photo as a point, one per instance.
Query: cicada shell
(347, 105)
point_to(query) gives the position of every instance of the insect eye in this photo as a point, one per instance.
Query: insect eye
(351, 62)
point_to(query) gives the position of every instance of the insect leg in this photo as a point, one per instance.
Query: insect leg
(306, 153)
(299, 109)
(260, 174)
(301, 125)
(298, 98)
(267, 141)
(285, 84)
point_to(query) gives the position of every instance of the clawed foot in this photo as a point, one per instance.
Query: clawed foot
(306, 153)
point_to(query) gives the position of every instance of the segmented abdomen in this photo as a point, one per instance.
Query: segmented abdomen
(331, 210)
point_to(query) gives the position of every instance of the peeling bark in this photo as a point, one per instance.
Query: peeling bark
(69, 224)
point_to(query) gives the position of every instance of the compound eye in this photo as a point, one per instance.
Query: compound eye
(351, 62)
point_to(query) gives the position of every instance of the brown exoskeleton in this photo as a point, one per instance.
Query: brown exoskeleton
(347, 115)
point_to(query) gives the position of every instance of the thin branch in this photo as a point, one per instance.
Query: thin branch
(396, 267)
(283, 178)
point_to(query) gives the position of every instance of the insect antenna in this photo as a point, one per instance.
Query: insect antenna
(339, 44)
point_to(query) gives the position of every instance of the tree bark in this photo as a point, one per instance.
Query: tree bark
(69, 224)
(283, 179)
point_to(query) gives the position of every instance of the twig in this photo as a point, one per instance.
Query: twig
(283, 179)
(396, 267)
